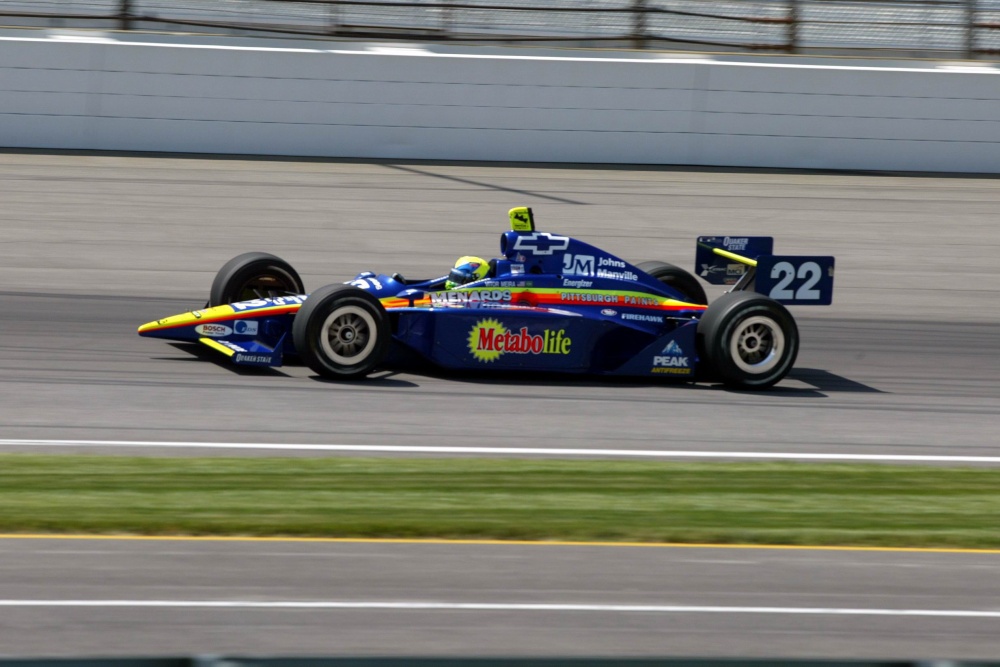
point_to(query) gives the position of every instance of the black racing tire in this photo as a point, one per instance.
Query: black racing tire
(341, 332)
(676, 277)
(254, 275)
(748, 340)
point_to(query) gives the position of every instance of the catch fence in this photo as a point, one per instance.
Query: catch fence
(948, 28)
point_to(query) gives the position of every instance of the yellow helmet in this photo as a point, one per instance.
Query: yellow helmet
(467, 269)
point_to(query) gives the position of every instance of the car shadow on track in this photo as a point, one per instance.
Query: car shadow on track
(822, 382)
(828, 382)
(651, 384)
(200, 353)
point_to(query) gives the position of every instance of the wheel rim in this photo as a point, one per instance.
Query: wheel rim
(271, 283)
(348, 335)
(757, 345)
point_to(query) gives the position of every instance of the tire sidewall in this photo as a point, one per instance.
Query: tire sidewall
(321, 308)
(725, 319)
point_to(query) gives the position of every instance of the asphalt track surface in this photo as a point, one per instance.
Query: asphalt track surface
(172, 597)
(906, 362)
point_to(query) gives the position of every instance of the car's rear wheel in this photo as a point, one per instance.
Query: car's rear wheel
(678, 278)
(748, 340)
(254, 275)
(341, 332)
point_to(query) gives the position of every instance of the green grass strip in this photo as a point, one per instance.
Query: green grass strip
(762, 503)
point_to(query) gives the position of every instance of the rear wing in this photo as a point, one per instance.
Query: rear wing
(748, 263)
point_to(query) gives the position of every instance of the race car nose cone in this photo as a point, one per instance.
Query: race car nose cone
(194, 317)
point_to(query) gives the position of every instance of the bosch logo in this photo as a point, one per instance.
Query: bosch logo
(213, 330)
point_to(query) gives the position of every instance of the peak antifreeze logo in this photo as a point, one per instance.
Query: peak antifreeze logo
(489, 339)
(672, 357)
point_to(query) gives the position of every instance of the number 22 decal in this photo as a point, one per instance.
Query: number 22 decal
(785, 273)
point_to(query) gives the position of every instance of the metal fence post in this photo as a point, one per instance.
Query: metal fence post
(970, 29)
(639, 23)
(794, 14)
(333, 15)
(447, 13)
(125, 14)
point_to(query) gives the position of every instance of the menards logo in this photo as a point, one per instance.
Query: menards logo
(489, 339)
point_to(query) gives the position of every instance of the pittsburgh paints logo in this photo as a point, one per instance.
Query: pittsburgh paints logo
(489, 339)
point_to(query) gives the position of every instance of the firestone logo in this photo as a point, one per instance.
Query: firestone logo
(489, 339)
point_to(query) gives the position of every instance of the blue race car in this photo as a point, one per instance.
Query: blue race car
(548, 303)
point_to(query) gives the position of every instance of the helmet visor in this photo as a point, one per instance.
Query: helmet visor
(467, 272)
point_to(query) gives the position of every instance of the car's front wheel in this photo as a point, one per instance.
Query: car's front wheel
(341, 332)
(254, 275)
(748, 340)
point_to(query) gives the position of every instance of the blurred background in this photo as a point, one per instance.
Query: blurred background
(134, 164)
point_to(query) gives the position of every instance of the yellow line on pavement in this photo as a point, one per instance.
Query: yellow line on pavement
(540, 543)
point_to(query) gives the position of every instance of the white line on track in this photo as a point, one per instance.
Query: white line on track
(510, 451)
(419, 52)
(496, 606)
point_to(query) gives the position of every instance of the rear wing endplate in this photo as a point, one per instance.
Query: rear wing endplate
(748, 263)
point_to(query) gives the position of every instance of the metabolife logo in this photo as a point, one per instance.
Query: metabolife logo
(489, 339)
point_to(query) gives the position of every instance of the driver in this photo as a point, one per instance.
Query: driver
(467, 269)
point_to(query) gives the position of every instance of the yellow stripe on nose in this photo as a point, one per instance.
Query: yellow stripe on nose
(192, 317)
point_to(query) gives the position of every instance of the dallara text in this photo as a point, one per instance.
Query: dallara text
(548, 303)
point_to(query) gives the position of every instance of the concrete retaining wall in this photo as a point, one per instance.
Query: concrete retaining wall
(317, 98)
